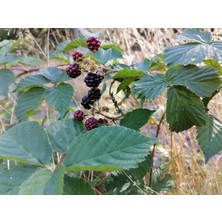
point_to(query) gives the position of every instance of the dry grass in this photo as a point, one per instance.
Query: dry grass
(190, 173)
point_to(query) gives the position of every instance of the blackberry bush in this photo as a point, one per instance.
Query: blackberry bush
(73, 70)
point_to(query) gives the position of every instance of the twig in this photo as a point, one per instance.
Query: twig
(25, 71)
(60, 162)
(137, 185)
(108, 117)
(154, 147)
(114, 100)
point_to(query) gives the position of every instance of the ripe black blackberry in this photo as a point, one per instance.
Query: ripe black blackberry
(94, 94)
(78, 115)
(73, 70)
(86, 102)
(102, 121)
(76, 55)
(93, 79)
(91, 123)
(93, 43)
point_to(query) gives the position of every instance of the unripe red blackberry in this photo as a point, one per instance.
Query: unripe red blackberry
(91, 123)
(78, 115)
(86, 102)
(93, 43)
(94, 94)
(76, 55)
(102, 121)
(73, 70)
(93, 79)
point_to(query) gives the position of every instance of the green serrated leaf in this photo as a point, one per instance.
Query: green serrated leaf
(161, 182)
(126, 82)
(30, 61)
(150, 86)
(196, 35)
(85, 34)
(8, 59)
(145, 65)
(107, 148)
(121, 183)
(128, 73)
(43, 182)
(202, 81)
(28, 101)
(214, 64)
(143, 168)
(12, 179)
(7, 77)
(23, 144)
(103, 56)
(63, 132)
(184, 109)
(53, 74)
(77, 186)
(32, 81)
(112, 46)
(61, 57)
(136, 118)
(59, 97)
(74, 44)
(210, 137)
(195, 52)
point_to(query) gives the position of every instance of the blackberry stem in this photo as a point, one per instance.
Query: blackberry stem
(113, 99)
(60, 162)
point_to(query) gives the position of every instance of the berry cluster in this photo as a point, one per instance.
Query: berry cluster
(73, 70)
(91, 122)
(92, 80)
(93, 44)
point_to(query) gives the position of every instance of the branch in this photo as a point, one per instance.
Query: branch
(154, 147)
(60, 162)
(114, 100)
